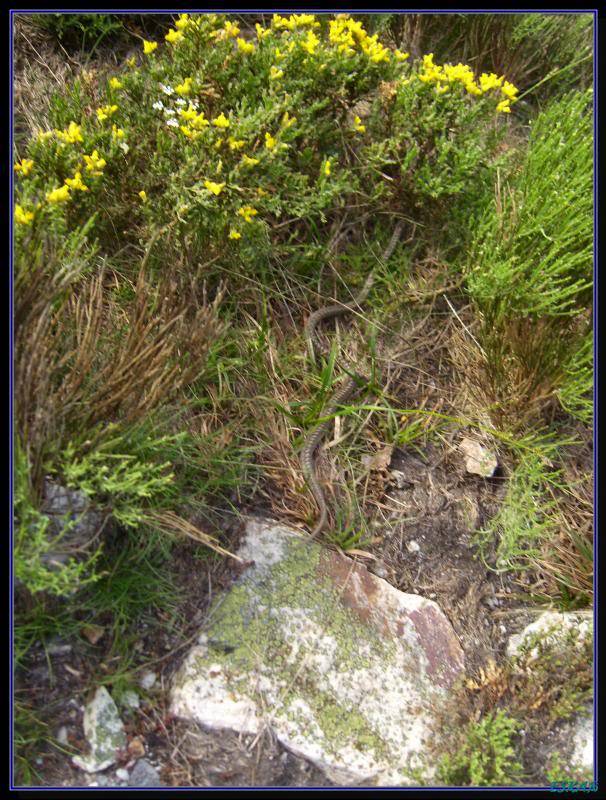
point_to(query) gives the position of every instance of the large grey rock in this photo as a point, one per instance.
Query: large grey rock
(104, 732)
(346, 670)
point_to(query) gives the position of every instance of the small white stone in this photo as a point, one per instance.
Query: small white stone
(412, 546)
(130, 699)
(148, 679)
(62, 735)
(479, 460)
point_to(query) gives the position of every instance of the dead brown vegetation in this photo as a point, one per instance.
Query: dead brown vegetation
(85, 358)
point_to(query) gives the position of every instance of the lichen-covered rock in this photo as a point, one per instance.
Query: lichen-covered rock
(344, 668)
(104, 732)
(551, 628)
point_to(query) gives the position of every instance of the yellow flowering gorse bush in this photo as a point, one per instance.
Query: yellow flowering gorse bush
(175, 127)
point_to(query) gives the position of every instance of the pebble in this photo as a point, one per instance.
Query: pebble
(148, 679)
(144, 774)
(58, 648)
(122, 774)
(412, 546)
(61, 735)
(130, 699)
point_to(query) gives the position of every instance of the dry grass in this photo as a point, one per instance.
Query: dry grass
(567, 559)
(85, 358)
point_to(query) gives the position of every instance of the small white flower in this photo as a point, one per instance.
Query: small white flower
(173, 123)
(167, 89)
(124, 146)
(180, 101)
(158, 105)
(169, 112)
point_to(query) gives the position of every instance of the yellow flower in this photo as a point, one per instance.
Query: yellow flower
(143, 195)
(248, 161)
(106, 111)
(270, 142)
(131, 61)
(261, 31)
(42, 136)
(188, 113)
(400, 56)
(182, 22)
(233, 234)
(199, 121)
(231, 29)
(94, 163)
(221, 121)
(504, 106)
(248, 212)
(115, 83)
(117, 133)
(149, 47)
(76, 182)
(358, 125)
(60, 195)
(509, 90)
(261, 192)
(72, 135)
(24, 166)
(218, 143)
(186, 131)
(174, 36)
(287, 121)
(442, 89)
(215, 188)
(244, 46)
(310, 43)
(279, 54)
(489, 81)
(279, 22)
(235, 144)
(184, 88)
(473, 88)
(304, 20)
(22, 216)
(374, 49)
(326, 167)
(275, 73)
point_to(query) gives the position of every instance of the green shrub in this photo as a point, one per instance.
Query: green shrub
(486, 755)
(530, 269)
(34, 543)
